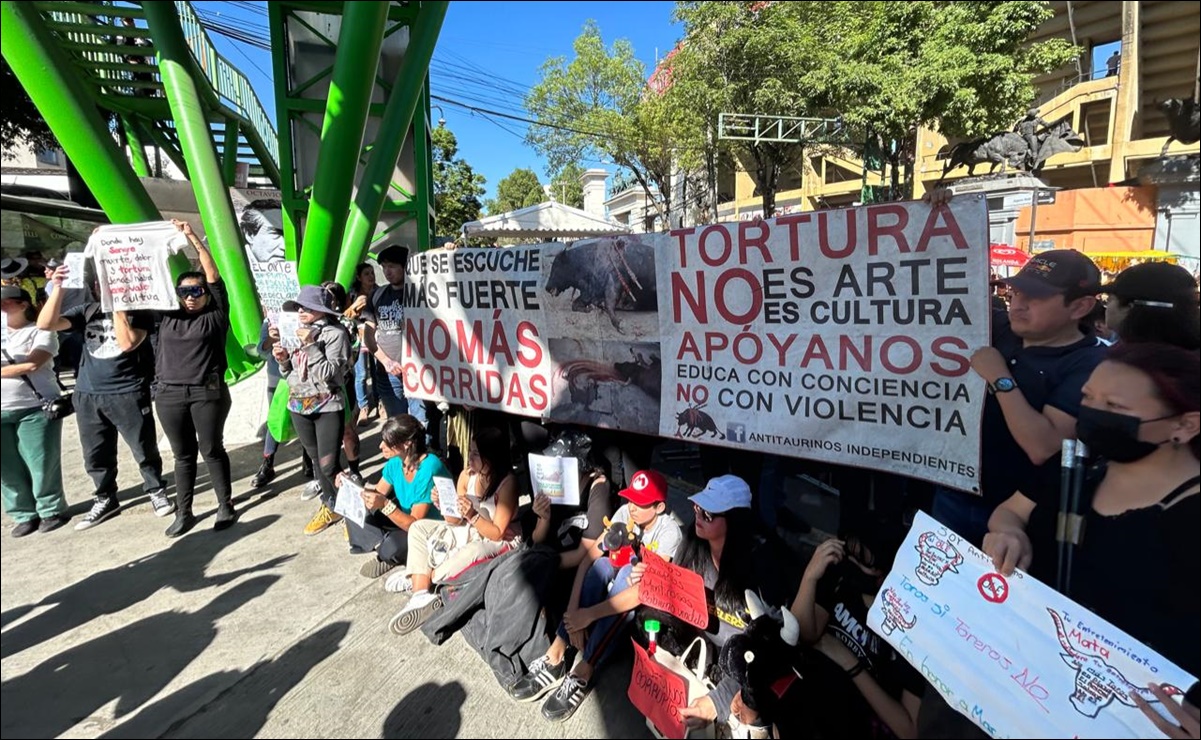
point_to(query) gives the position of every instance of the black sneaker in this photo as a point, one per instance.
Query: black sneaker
(226, 516)
(184, 521)
(51, 523)
(538, 680)
(265, 475)
(24, 529)
(161, 503)
(566, 699)
(102, 508)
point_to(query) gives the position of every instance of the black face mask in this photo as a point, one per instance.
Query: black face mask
(1114, 436)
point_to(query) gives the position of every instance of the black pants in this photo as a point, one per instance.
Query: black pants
(321, 436)
(100, 418)
(390, 542)
(193, 417)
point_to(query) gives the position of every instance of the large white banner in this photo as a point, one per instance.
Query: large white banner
(843, 336)
(1010, 653)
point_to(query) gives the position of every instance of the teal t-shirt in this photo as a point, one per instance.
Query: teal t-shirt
(421, 489)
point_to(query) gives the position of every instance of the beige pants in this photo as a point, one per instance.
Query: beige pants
(443, 551)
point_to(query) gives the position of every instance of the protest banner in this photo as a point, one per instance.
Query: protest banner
(658, 693)
(1010, 653)
(557, 478)
(275, 283)
(131, 265)
(841, 335)
(673, 589)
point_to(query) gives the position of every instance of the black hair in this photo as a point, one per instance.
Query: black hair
(1175, 372)
(873, 539)
(253, 220)
(190, 275)
(397, 254)
(356, 286)
(335, 295)
(404, 428)
(735, 572)
(1176, 324)
(493, 446)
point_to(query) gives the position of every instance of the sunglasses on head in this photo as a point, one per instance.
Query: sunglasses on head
(708, 516)
(191, 291)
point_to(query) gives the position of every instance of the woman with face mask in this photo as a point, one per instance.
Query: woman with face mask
(192, 399)
(1139, 564)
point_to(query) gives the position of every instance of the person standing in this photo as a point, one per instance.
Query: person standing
(384, 335)
(364, 365)
(316, 376)
(32, 475)
(112, 395)
(192, 398)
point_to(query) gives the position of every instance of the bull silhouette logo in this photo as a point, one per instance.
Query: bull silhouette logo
(938, 556)
(696, 423)
(1098, 683)
(895, 610)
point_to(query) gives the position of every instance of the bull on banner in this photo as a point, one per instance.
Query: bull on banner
(843, 335)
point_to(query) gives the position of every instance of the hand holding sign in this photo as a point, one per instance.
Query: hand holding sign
(658, 693)
(448, 497)
(350, 502)
(673, 589)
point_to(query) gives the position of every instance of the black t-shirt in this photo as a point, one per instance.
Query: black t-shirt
(191, 347)
(848, 623)
(1046, 376)
(103, 368)
(385, 310)
(571, 524)
(1139, 570)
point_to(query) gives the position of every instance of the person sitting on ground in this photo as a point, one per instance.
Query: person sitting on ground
(865, 683)
(603, 598)
(404, 494)
(1141, 415)
(573, 531)
(1154, 302)
(482, 528)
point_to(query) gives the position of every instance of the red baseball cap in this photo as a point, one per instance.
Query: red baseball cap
(647, 487)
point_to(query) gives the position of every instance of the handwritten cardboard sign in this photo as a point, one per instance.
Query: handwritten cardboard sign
(658, 693)
(557, 478)
(673, 589)
(1010, 653)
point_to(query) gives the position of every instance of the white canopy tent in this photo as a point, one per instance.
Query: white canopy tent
(550, 220)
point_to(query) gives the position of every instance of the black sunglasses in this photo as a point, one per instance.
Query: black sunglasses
(191, 291)
(708, 516)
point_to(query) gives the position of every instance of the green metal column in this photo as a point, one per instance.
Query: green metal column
(408, 93)
(137, 146)
(53, 84)
(424, 174)
(359, 42)
(229, 155)
(212, 197)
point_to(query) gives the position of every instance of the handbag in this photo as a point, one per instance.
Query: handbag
(694, 680)
(52, 408)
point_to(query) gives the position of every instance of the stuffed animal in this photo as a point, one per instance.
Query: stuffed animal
(618, 543)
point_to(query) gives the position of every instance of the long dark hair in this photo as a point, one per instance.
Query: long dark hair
(404, 428)
(735, 572)
(335, 295)
(1175, 373)
(356, 286)
(1176, 323)
(493, 446)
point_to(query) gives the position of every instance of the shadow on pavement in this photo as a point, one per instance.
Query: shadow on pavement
(430, 710)
(181, 566)
(130, 665)
(271, 680)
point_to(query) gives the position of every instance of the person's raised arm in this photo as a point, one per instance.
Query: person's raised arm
(810, 616)
(211, 273)
(506, 505)
(1039, 433)
(50, 318)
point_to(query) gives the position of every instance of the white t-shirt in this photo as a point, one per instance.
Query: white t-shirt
(14, 392)
(664, 536)
(131, 265)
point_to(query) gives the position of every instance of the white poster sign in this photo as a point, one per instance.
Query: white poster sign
(557, 478)
(1010, 653)
(131, 265)
(288, 323)
(349, 502)
(448, 497)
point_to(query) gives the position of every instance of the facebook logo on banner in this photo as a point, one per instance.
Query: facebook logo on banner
(736, 433)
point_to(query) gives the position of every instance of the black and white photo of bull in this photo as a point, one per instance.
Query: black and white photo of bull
(610, 274)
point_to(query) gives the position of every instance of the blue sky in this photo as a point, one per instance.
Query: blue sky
(487, 54)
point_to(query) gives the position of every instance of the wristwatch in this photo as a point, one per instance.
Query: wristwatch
(1001, 385)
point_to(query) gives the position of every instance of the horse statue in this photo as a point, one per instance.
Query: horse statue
(1184, 121)
(1009, 149)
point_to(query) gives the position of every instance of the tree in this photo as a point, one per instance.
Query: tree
(457, 187)
(597, 106)
(566, 186)
(20, 121)
(519, 189)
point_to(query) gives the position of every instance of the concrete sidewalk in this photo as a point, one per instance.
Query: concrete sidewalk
(258, 631)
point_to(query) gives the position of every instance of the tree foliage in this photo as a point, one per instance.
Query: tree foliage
(20, 121)
(567, 187)
(886, 68)
(457, 187)
(597, 107)
(519, 189)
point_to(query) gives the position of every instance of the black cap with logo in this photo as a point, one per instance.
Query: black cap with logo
(1063, 272)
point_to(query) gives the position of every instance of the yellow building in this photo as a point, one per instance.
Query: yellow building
(1117, 115)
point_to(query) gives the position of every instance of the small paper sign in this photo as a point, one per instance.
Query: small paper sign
(75, 263)
(448, 497)
(350, 502)
(288, 324)
(557, 478)
(673, 589)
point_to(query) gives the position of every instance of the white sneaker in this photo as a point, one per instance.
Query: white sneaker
(311, 490)
(398, 582)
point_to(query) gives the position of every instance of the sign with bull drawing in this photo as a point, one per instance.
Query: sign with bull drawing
(1033, 664)
(843, 335)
